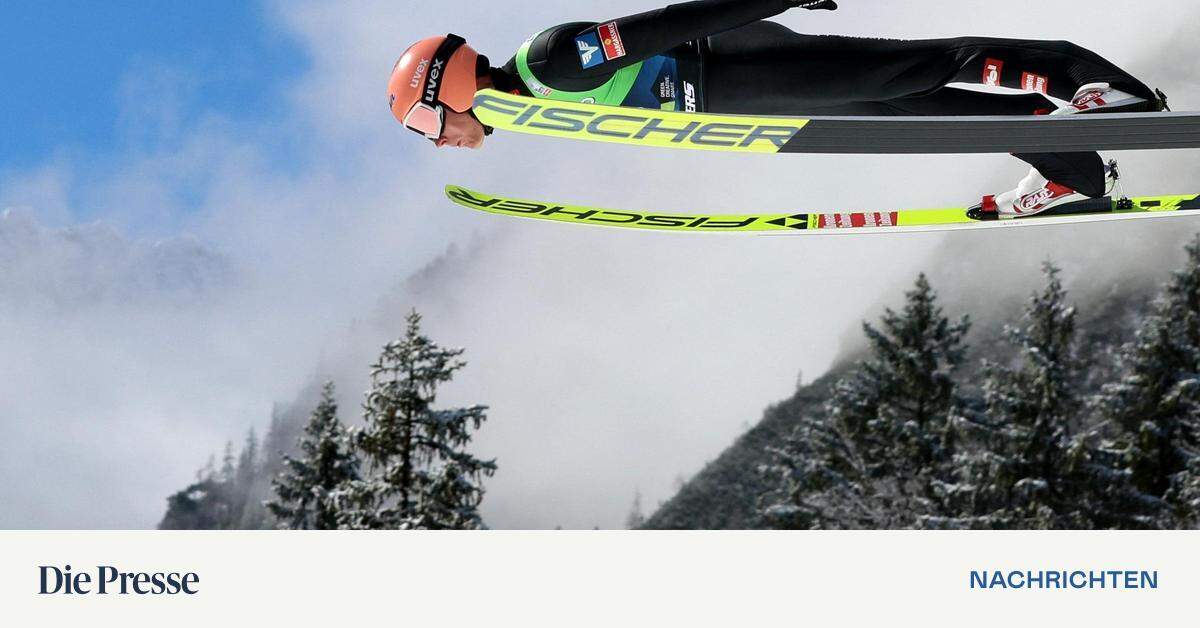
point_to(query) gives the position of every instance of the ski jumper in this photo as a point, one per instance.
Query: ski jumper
(720, 56)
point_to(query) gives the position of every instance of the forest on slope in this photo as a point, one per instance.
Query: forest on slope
(830, 444)
(1053, 409)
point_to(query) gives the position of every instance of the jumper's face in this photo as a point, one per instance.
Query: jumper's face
(461, 130)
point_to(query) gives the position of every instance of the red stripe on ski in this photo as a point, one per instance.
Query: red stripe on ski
(858, 221)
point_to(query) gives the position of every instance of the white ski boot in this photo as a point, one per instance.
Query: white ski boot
(1098, 97)
(1034, 195)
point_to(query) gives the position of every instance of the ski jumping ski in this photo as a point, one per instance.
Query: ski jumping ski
(838, 135)
(825, 223)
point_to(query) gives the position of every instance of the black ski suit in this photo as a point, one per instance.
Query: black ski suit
(739, 63)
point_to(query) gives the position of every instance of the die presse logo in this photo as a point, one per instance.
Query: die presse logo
(106, 580)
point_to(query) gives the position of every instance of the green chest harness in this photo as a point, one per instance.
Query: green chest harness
(613, 92)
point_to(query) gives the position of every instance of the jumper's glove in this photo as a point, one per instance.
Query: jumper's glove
(813, 5)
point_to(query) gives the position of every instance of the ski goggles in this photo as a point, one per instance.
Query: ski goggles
(431, 121)
(428, 116)
(426, 120)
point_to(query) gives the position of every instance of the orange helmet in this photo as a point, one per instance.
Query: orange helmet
(433, 73)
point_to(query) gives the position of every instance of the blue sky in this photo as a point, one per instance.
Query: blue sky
(65, 63)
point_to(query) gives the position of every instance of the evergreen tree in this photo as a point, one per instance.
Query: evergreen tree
(251, 514)
(824, 483)
(1156, 404)
(247, 465)
(306, 490)
(1028, 471)
(886, 442)
(208, 470)
(205, 505)
(636, 518)
(1184, 495)
(227, 461)
(276, 444)
(213, 502)
(422, 476)
(895, 409)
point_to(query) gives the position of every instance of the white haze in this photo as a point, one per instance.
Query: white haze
(614, 362)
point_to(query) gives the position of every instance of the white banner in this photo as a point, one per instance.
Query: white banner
(574, 579)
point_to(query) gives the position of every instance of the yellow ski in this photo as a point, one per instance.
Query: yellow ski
(848, 135)
(887, 221)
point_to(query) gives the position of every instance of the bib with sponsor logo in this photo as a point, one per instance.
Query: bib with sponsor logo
(654, 83)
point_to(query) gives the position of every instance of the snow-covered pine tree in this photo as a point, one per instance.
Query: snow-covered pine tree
(823, 483)
(1184, 495)
(895, 408)
(1020, 473)
(1156, 404)
(885, 441)
(422, 476)
(306, 490)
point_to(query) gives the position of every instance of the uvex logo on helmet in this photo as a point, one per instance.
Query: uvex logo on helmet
(419, 74)
(431, 87)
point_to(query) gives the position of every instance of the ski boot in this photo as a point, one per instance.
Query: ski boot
(1103, 98)
(1035, 195)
